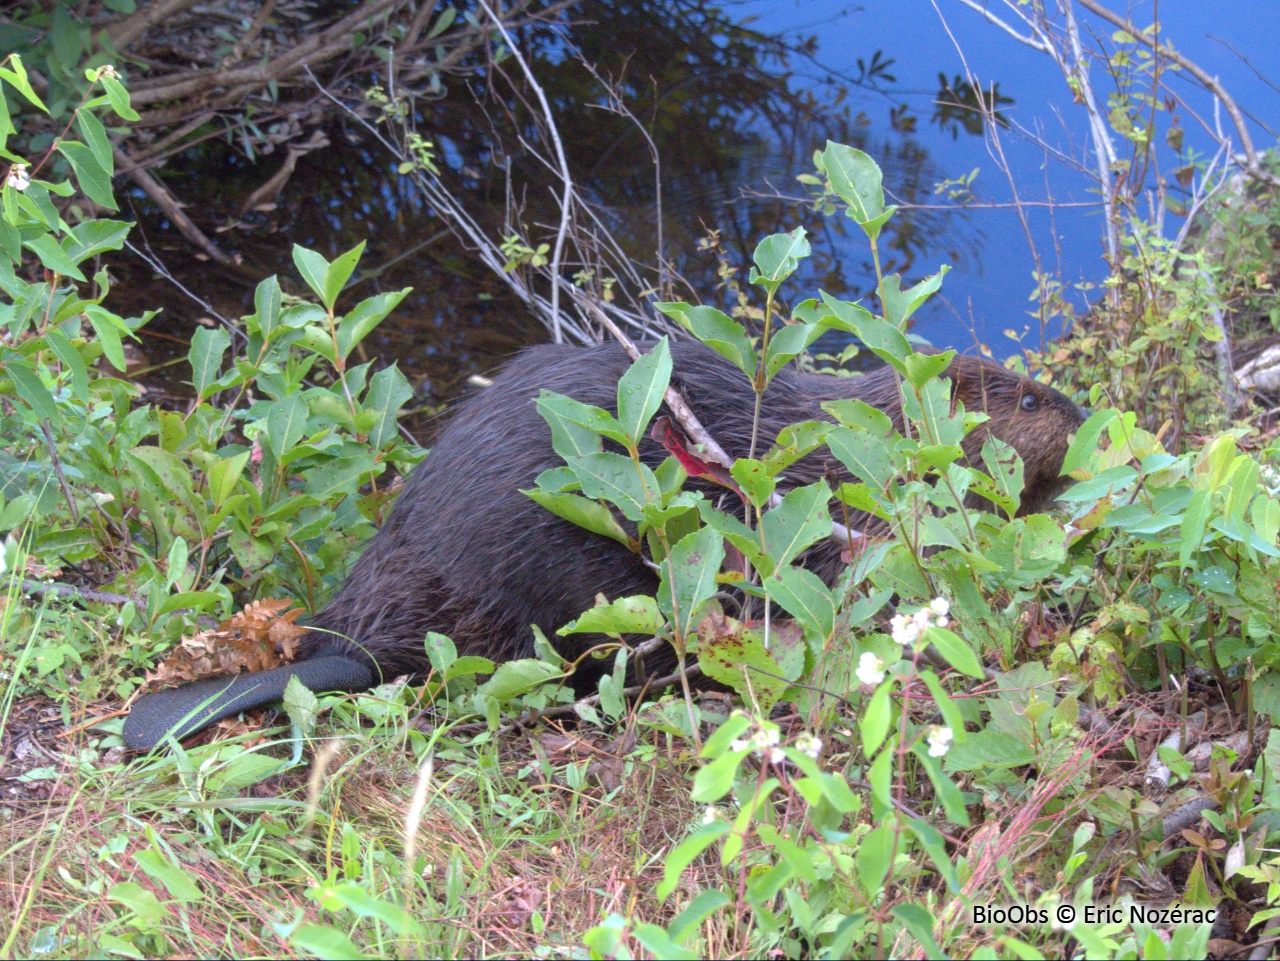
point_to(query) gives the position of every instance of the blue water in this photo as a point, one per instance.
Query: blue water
(987, 293)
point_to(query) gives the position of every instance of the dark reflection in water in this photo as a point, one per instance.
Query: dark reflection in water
(723, 112)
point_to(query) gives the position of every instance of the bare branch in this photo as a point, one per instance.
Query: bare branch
(566, 197)
(1035, 44)
(126, 31)
(160, 194)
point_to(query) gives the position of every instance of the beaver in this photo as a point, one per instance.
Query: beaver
(464, 553)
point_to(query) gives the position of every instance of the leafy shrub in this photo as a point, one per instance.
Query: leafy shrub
(192, 511)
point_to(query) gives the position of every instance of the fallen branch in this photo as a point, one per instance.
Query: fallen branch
(173, 210)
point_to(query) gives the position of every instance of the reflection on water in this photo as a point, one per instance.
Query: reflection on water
(720, 104)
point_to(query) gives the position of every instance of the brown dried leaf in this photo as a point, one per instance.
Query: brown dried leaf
(258, 638)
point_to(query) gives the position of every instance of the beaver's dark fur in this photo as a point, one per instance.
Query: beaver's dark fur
(464, 553)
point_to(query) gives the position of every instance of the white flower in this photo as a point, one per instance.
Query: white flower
(107, 70)
(738, 744)
(18, 178)
(870, 668)
(810, 744)
(776, 755)
(939, 739)
(711, 815)
(771, 736)
(905, 630)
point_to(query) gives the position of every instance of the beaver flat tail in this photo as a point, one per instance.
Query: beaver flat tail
(187, 709)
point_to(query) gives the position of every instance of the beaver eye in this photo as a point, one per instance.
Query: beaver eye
(1030, 402)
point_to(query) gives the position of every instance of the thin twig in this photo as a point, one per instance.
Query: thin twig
(566, 197)
(1250, 159)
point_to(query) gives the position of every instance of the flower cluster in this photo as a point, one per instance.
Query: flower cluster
(763, 742)
(1271, 479)
(18, 178)
(907, 630)
(809, 744)
(939, 739)
(106, 70)
(870, 669)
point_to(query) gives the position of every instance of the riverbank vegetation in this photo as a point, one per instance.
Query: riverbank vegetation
(1059, 709)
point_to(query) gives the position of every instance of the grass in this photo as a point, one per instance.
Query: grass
(517, 849)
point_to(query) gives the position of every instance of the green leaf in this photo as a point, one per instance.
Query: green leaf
(786, 343)
(286, 424)
(1193, 527)
(920, 923)
(338, 273)
(876, 718)
(614, 477)
(692, 846)
(1086, 440)
(588, 514)
(266, 302)
(899, 304)
(359, 902)
(1027, 550)
(867, 457)
(736, 656)
(856, 179)
(956, 651)
(313, 267)
(802, 594)
(950, 795)
(322, 941)
(704, 904)
(31, 388)
(798, 522)
(594, 419)
(717, 330)
(72, 361)
(93, 237)
(242, 771)
(18, 78)
(989, 748)
(343, 475)
(119, 98)
(860, 415)
(443, 22)
(208, 344)
(951, 715)
(95, 136)
(388, 392)
(1006, 470)
(569, 437)
(884, 340)
(53, 257)
(626, 615)
(875, 856)
(922, 368)
(777, 257)
(641, 388)
(94, 181)
(754, 478)
(715, 780)
(518, 677)
(689, 577)
(367, 314)
(174, 878)
(739, 535)
(223, 476)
